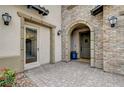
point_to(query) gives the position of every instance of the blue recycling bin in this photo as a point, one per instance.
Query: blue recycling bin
(73, 55)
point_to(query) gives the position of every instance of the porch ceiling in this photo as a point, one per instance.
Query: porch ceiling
(80, 26)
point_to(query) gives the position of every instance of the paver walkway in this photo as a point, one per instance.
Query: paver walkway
(23, 81)
(73, 74)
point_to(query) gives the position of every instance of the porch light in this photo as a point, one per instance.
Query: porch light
(112, 20)
(6, 18)
(59, 32)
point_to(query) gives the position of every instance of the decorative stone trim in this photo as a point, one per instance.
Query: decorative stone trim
(73, 25)
(35, 20)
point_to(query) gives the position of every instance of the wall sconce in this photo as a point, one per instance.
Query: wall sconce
(6, 18)
(112, 20)
(59, 32)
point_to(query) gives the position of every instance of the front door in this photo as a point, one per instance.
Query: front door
(31, 47)
(85, 45)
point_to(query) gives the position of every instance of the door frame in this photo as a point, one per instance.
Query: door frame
(24, 18)
(34, 64)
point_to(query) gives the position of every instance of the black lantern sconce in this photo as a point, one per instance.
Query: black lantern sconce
(6, 18)
(59, 32)
(112, 20)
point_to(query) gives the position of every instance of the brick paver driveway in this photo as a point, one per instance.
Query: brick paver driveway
(72, 74)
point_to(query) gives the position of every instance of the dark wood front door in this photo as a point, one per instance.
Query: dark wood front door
(85, 45)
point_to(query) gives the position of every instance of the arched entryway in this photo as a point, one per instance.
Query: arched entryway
(80, 42)
(85, 32)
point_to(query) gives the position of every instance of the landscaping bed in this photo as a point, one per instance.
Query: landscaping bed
(9, 78)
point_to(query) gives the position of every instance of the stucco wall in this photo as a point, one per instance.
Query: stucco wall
(95, 25)
(113, 40)
(10, 35)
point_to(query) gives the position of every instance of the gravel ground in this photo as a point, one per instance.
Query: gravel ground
(73, 74)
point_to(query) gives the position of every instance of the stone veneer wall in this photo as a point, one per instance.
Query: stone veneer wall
(113, 40)
(82, 12)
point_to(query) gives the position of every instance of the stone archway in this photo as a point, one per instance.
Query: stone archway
(68, 32)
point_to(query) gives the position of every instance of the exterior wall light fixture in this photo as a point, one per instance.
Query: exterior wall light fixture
(59, 32)
(112, 20)
(6, 18)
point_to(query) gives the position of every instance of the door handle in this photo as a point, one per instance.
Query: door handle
(37, 49)
(81, 48)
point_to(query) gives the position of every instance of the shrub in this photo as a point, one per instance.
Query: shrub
(7, 77)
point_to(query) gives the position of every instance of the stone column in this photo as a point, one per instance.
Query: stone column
(92, 47)
(22, 42)
(52, 46)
